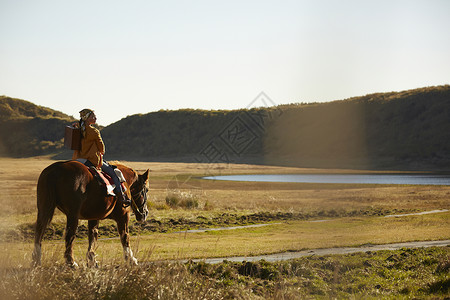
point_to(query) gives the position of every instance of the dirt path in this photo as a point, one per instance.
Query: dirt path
(326, 251)
(418, 214)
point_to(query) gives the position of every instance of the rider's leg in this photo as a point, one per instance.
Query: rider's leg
(118, 189)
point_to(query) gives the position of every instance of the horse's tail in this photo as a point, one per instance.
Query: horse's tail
(46, 199)
(46, 204)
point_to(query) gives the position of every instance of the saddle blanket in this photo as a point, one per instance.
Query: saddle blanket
(104, 179)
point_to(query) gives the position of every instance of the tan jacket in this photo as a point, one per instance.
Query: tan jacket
(92, 147)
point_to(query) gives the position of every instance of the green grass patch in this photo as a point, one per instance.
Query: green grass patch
(292, 235)
(184, 216)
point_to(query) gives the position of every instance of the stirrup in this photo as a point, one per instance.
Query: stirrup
(125, 201)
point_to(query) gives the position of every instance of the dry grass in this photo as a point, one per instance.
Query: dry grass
(401, 274)
(352, 210)
(18, 179)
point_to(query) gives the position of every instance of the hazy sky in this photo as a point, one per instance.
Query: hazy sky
(126, 57)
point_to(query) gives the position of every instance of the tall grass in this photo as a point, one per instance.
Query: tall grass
(166, 281)
(406, 273)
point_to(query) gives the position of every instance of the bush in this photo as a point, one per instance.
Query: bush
(185, 200)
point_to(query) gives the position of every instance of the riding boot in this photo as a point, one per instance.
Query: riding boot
(123, 199)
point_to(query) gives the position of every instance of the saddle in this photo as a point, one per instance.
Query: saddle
(104, 179)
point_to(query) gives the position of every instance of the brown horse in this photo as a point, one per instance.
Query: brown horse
(71, 188)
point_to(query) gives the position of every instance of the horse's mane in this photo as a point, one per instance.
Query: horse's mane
(115, 163)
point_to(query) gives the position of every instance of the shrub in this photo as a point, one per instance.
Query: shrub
(185, 200)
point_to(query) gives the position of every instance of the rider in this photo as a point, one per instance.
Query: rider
(93, 148)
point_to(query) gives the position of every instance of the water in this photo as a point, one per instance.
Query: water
(415, 179)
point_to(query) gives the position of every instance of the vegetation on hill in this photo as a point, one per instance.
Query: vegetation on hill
(195, 135)
(27, 129)
(409, 129)
(11, 108)
(406, 130)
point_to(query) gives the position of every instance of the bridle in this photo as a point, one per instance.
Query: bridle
(142, 195)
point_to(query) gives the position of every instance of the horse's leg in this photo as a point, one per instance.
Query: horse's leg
(93, 235)
(122, 226)
(71, 230)
(45, 215)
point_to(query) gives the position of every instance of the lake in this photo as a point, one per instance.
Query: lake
(415, 179)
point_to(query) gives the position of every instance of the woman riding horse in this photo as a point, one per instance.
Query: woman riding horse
(93, 149)
(70, 187)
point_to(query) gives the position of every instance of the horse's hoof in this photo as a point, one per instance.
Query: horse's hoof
(92, 264)
(72, 265)
(91, 261)
(35, 263)
(133, 261)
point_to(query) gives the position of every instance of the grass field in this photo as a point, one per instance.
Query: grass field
(179, 200)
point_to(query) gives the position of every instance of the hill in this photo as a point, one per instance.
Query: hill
(174, 135)
(397, 130)
(27, 129)
(408, 130)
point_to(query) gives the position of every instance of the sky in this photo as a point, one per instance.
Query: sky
(137, 56)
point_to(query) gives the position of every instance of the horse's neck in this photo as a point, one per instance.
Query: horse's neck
(128, 173)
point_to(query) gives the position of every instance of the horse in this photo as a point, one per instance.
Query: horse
(70, 187)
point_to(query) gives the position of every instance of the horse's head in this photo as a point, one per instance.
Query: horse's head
(139, 191)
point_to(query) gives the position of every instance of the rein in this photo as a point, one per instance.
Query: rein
(142, 194)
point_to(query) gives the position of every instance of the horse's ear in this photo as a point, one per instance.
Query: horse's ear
(145, 175)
